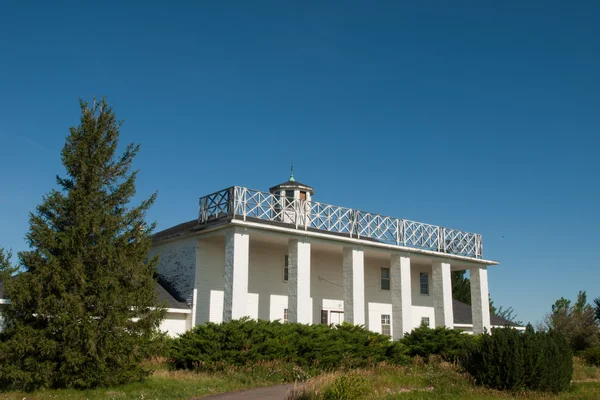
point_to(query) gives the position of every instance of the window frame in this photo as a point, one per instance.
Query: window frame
(426, 321)
(285, 315)
(385, 279)
(386, 322)
(286, 268)
(424, 285)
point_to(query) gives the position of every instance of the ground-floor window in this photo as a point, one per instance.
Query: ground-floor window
(425, 321)
(324, 317)
(285, 315)
(386, 327)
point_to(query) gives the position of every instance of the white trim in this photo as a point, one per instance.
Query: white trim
(179, 310)
(519, 328)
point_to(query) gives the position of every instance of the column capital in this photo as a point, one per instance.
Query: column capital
(400, 253)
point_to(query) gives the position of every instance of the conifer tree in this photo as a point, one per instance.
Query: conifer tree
(83, 310)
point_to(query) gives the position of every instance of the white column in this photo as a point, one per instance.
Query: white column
(236, 274)
(442, 295)
(400, 286)
(354, 286)
(194, 305)
(299, 304)
(480, 303)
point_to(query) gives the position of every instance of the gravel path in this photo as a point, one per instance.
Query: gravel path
(273, 392)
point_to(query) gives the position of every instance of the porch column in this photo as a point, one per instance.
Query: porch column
(400, 286)
(480, 303)
(299, 304)
(354, 285)
(442, 294)
(236, 274)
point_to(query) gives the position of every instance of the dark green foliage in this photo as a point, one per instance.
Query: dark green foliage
(448, 343)
(592, 356)
(83, 310)
(512, 360)
(244, 342)
(461, 287)
(597, 309)
(576, 322)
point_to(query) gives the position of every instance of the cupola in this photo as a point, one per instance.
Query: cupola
(290, 200)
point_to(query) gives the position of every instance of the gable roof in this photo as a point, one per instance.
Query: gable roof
(163, 297)
(463, 315)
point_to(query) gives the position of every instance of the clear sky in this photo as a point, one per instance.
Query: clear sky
(482, 116)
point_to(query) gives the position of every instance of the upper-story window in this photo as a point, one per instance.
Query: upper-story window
(385, 278)
(302, 195)
(424, 280)
(286, 268)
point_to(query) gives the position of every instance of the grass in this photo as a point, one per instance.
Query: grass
(418, 381)
(435, 380)
(165, 384)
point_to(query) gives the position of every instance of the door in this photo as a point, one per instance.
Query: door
(336, 317)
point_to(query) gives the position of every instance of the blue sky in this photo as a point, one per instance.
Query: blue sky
(482, 116)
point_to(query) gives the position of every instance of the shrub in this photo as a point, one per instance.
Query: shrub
(319, 347)
(592, 356)
(446, 343)
(511, 360)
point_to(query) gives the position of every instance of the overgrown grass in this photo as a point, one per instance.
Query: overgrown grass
(170, 385)
(435, 380)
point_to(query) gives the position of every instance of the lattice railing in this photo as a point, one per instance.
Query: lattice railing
(239, 202)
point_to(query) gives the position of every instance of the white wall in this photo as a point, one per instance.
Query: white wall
(176, 323)
(267, 291)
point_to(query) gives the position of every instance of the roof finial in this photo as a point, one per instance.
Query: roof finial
(292, 172)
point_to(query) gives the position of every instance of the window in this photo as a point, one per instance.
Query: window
(385, 278)
(425, 321)
(424, 283)
(302, 195)
(285, 315)
(286, 269)
(324, 319)
(385, 325)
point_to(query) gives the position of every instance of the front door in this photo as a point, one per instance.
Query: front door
(336, 317)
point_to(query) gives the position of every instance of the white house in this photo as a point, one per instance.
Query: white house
(282, 256)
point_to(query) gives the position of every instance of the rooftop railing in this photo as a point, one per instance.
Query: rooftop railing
(242, 203)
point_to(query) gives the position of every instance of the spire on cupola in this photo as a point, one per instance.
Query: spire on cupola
(292, 172)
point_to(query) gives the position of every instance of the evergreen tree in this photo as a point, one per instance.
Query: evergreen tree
(83, 310)
(461, 287)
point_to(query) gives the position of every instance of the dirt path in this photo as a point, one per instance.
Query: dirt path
(273, 392)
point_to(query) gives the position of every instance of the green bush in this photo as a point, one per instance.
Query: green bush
(592, 356)
(446, 343)
(512, 360)
(317, 347)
